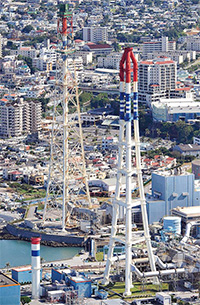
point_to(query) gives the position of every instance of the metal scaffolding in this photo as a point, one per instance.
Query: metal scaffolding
(67, 185)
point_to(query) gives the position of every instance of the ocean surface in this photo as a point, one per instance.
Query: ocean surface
(18, 253)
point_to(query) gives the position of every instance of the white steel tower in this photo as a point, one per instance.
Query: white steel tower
(126, 70)
(67, 183)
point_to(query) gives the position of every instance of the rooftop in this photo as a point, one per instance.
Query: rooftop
(188, 211)
(6, 281)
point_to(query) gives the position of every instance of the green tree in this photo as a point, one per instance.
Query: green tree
(7, 265)
(25, 300)
(27, 28)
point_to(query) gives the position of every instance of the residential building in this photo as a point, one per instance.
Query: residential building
(19, 117)
(27, 52)
(98, 49)
(156, 79)
(193, 43)
(86, 56)
(172, 110)
(42, 63)
(188, 149)
(95, 34)
(161, 45)
(110, 61)
(178, 55)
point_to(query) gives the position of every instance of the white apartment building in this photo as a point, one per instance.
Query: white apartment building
(193, 43)
(27, 52)
(19, 117)
(95, 34)
(86, 56)
(50, 55)
(42, 63)
(161, 45)
(156, 79)
(110, 61)
(179, 55)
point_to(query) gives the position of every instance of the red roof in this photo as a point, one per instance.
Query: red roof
(78, 40)
(16, 173)
(99, 46)
(147, 62)
(183, 89)
(154, 85)
(156, 156)
(165, 62)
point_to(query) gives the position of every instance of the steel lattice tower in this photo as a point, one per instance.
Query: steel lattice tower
(128, 60)
(67, 180)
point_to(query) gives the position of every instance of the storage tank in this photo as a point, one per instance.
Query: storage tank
(173, 222)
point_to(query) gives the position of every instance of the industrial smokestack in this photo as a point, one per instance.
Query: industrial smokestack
(35, 263)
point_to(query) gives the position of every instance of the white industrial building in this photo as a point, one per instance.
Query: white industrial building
(109, 184)
(95, 34)
(172, 110)
(156, 78)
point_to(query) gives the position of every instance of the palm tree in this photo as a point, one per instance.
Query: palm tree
(7, 266)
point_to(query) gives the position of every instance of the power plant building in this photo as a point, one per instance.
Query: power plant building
(172, 110)
(23, 274)
(170, 190)
(9, 291)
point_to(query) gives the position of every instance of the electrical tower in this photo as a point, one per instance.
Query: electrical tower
(128, 66)
(67, 185)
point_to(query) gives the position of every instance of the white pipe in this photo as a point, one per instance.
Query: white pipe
(187, 232)
(163, 265)
(65, 144)
(128, 274)
(115, 207)
(156, 273)
(143, 200)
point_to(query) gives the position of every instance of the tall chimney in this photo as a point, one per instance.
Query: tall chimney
(35, 263)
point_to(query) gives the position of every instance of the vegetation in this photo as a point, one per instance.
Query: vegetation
(25, 300)
(28, 191)
(139, 289)
(179, 131)
(99, 256)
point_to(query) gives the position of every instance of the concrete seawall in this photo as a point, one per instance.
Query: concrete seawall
(71, 240)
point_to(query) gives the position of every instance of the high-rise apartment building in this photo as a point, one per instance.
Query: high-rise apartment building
(19, 117)
(161, 45)
(156, 79)
(95, 34)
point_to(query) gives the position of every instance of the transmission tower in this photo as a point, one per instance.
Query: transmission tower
(128, 65)
(67, 185)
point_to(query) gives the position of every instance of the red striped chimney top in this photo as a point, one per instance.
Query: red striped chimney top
(35, 240)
